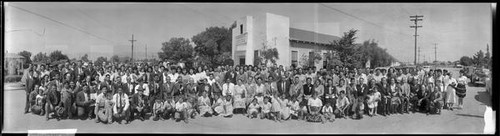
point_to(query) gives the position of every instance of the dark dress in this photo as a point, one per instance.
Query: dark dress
(460, 90)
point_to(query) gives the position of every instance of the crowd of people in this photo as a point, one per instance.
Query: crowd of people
(117, 92)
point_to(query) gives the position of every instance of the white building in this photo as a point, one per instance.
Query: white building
(251, 33)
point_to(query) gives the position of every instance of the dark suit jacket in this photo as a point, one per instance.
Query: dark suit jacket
(361, 91)
(30, 83)
(135, 101)
(80, 99)
(231, 78)
(285, 90)
(308, 89)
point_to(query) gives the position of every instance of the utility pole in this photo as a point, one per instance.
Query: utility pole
(132, 41)
(146, 52)
(416, 26)
(418, 55)
(435, 52)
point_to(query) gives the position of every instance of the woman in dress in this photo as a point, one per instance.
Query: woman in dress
(239, 97)
(461, 89)
(228, 106)
(250, 87)
(319, 89)
(218, 105)
(451, 97)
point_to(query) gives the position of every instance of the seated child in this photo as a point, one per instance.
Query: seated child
(342, 105)
(228, 107)
(294, 108)
(181, 112)
(328, 112)
(253, 109)
(266, 109)
(169, 108)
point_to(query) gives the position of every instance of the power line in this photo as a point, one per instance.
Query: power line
(416, 26)
(62, 23)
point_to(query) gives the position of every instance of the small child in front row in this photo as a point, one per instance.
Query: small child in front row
(294, 108)
(342, 105)
(253, 109)
(266, 109)
(157, 109)
(328, 112)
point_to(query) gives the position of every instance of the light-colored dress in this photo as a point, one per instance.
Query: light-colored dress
(285, 109)
(450, 95)
(239, 101)
(220, 106)
(228, 107)
(204, 105)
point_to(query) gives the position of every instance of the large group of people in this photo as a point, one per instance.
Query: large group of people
(117, 92)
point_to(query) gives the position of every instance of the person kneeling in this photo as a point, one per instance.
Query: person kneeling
(181, 112)
(52, 102)
(158, 109)
(138, 105)
(104, 107)
(121, 108)
(83, 103)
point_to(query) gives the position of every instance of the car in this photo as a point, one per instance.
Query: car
(478, 77)
(458, 66)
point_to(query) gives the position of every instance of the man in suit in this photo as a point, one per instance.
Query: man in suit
(231, 75)
(284, 85)
(52, 101)
(138, 104)
(166, 88)
(30, 83)
(360, 95)
(307, 90)
(121, 107)
(83, 102)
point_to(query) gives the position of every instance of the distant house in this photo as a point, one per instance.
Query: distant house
(13, 64)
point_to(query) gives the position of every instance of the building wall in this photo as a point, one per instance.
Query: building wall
(303, 50)
(278, 32)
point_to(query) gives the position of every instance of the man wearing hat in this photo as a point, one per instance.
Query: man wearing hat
(138, 104)
(103, 108)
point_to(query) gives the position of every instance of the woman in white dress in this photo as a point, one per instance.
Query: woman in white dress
(451, 97)
(228, 106)
(285, 108)
(218, 105)
(239, 96)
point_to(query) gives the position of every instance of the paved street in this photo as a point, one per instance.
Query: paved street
(466, 121)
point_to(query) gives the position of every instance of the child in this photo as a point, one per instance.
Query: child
(371, 103)
(285, 108)
(342, 105)
(218, 105)
(276, 108)
(294, 108)
(157, 109)
(266, 109)
(204, 105)
(168, 108)
(328, 113)
(253, 109)
(191, 110)
(228, 107)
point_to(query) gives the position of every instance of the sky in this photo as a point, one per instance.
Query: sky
(104, 29)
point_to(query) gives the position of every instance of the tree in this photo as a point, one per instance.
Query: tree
(27, 57)
(466, 61)
(268, 55)
(345, 47)
(57, 56)
(177, 50)
(212, 43)
(479, 58)
(314, 57)
(85, 58)
(332, 59)
(100, 60)
(378, 57)
(41, 58)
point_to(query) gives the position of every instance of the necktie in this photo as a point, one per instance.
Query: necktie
(120, 101)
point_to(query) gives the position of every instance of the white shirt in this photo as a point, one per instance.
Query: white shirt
(315, 102)
(327, 109)
(173, 77)
(211, 81)
(227, 88)
(145, 87)
(180, 106)
(124, 101)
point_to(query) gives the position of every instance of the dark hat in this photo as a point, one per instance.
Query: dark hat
(140, 88)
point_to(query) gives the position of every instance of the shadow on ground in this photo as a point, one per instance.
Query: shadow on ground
(483, 97)
(467, 115)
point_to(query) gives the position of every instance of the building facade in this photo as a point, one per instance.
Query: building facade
(294, 46)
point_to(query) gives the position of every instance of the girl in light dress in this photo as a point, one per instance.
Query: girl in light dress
(204, 105)
(451, 97)
(461, 89)
(294, 108)
(253, 109)
(218, 105)
(285, 108)
(228, 106)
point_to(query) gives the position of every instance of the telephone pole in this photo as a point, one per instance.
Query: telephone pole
(132, 41)
(435, 52)
(416, 26)
(146, 52)
(418, 55)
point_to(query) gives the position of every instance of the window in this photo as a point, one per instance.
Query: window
(242, 61)
(241, 29)
(311, 58)
(294, 58)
